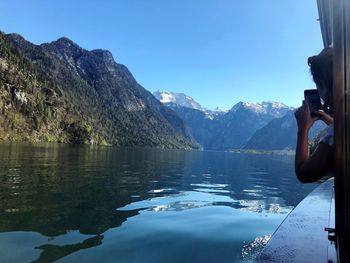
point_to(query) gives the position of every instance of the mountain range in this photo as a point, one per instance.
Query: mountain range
(60, 92)
(264, 126)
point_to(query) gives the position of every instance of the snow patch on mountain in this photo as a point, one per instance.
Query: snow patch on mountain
(180, 99)
(273, 108)
(167, 98)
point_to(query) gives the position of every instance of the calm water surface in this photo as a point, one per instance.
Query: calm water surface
(81, 204)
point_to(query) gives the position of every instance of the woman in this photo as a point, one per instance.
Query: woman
(311, 168)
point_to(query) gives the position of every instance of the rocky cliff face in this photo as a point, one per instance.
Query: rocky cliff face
(59, 91)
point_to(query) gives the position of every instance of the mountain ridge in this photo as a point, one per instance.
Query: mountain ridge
(224, 130)
(281, 134)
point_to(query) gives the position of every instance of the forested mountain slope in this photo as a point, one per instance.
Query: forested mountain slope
(61, 92)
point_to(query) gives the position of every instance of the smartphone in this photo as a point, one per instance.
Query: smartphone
(314, 100)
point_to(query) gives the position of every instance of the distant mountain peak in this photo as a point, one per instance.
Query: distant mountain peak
(270, 107)
(180, 99)
(275, 104)
(240, 105)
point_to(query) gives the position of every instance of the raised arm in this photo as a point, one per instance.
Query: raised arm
(310, 168)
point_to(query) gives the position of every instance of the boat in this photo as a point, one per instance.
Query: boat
(302, 236)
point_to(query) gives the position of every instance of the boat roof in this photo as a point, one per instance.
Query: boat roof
(325, 12)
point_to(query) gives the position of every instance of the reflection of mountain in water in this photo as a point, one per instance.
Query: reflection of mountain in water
(57, 189)
(51, 253)
(73, 188)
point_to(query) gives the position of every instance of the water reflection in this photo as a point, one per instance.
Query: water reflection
(183, 201)
(51, 253)
(57, 190)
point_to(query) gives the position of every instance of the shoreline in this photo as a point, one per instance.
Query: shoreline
(255, 151)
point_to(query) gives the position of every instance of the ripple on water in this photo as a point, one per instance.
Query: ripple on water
(258, 173)
(211, 188)
(211, 185)
(206, 175)
(162, 191)
(208, 190)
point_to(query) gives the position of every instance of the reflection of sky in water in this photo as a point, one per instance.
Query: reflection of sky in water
(204, 234)
(182, 201)
(127, 205)
(201, 198)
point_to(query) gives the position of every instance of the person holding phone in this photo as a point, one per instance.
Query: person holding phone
(312, 167)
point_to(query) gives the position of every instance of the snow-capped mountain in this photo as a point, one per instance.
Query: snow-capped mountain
(221, 130)
(175, 100)
(272, 108)
(180, 99)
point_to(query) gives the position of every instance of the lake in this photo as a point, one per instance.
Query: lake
(105, 204)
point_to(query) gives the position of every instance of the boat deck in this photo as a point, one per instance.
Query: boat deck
(302, 236)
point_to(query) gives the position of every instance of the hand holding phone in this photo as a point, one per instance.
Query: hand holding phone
(314, 100)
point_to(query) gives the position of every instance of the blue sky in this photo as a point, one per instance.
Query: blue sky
(217, 51)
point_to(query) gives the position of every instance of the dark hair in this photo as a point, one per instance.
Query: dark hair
(321, 67)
